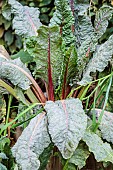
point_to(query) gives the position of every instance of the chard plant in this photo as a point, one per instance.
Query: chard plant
(66, 55)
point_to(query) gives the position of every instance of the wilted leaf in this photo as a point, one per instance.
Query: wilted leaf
(67, 123)
(26, 19)
(99, 61)
(102, 151)
(32, 143)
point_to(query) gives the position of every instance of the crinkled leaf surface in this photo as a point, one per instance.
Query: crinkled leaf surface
(99, 61)
(85, 34)
(106, 125)
(67, 123)
(46, 45)
(63, 17)
(9, 69)
(80, 156)
(103, 15)
(32, 143)
(26, 19)
(83, 26)
(102, 151)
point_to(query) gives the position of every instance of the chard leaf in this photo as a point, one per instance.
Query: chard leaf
(26, 19)
(66, 123)
(31, 143)
(86, 39)
(69, 71)
(99, 61)
(83, 25)
(47, 53)
(63, 17)
(106, 125)
(103, 15)
(80, 156)
(102, 151)
(9, 69)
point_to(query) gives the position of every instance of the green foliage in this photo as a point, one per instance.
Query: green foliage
(67, 123)
(40, 51)
(100, 59)
(45, 156)
(63, 17)
(6, 71)
(28, 16)
(51, 49)
(106, 125)
(102, 151)
(32, 143)
(88, 33)
(80, 156)
(5, 154)
(23, 55)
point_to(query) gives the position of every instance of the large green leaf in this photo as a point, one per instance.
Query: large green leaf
(102, 151)
(26, 19)
(86, 39)
(32, 143)
(12, 70)
(80, 156)
(46, 44)
(83, 26)
(86, 33)
(103, 15)
(63, 17)
(67, 123)
(99, 61)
